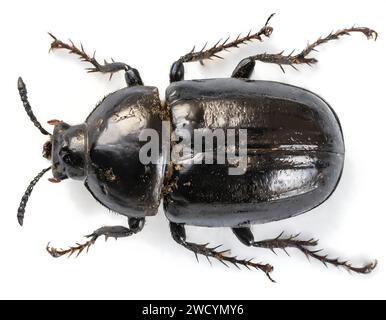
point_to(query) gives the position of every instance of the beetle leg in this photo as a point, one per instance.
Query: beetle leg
(246, 237)
(132, 75)
(179, 235)
(177, 69)
(245, 67)
(135, 226)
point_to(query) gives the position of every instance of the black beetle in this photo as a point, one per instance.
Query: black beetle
(294, 151)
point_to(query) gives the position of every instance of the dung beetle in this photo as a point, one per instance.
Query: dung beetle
(293, 143)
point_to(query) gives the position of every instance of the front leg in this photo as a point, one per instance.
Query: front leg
(132, 75)
(135, 226)
(179, 235)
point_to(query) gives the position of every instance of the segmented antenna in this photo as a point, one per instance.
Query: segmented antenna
(23, 95)
(27, 194)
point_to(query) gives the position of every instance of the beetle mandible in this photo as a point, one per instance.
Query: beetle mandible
(295, 151)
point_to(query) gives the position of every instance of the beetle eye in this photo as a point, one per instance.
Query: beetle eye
(67, 159)
(70, 158)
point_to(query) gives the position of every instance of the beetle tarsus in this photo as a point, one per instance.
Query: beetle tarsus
(179, 235)
(135, 226)
(78, 248)
(131, 75)
(366, 269)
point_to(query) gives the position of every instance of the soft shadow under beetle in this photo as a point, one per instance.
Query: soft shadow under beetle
(295, 151)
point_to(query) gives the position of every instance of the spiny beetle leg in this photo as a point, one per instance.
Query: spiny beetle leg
(177, 69)
(179, 235)
(135, 226)
(246, 237)
(132, 75)
(245, 67)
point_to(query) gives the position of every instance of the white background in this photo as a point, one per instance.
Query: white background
(150, 35)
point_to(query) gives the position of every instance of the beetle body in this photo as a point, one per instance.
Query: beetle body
(295, 152)
(290, 151)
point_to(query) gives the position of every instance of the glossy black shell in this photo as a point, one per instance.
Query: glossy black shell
(115, 176)
(295, 152)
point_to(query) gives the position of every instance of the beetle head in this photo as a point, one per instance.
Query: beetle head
(68, 153)
(66, 148)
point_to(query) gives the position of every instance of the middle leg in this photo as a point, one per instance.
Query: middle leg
(179, 235)
(177, 70)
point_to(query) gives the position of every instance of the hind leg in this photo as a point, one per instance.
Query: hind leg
(245, 67)
(246, 237)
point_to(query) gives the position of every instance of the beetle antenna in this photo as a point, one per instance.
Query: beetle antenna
(23, 95)
(27, 194)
